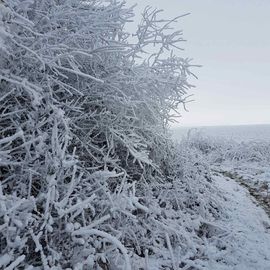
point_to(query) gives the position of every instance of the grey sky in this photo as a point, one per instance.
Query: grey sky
(231, 40)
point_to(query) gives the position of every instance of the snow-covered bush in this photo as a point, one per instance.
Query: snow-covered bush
(88, 176)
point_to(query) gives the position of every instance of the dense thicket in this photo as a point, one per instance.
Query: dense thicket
(88, 176)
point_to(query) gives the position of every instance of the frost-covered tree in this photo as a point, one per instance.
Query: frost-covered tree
(85, 159)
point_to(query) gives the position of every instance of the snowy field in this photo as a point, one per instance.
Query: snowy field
(237, 133)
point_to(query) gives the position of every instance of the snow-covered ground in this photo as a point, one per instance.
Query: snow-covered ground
(246, 236)
(239, 240)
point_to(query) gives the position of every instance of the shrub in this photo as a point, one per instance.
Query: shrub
(85, 159)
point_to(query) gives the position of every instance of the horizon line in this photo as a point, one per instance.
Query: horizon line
(219, 125)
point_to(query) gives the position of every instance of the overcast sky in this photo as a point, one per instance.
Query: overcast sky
(231, 39)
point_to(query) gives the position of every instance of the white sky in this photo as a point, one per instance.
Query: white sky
(231, 39)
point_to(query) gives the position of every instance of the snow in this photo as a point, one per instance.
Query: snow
(108, 237)
(14, 264)
(5, 259)
(247, 235)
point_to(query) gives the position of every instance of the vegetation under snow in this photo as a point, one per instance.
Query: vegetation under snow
(89, 178)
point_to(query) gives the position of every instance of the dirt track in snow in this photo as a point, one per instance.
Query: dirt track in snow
(247, 226)
(258, 193)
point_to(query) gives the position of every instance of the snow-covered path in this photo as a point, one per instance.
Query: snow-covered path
(245, 241)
